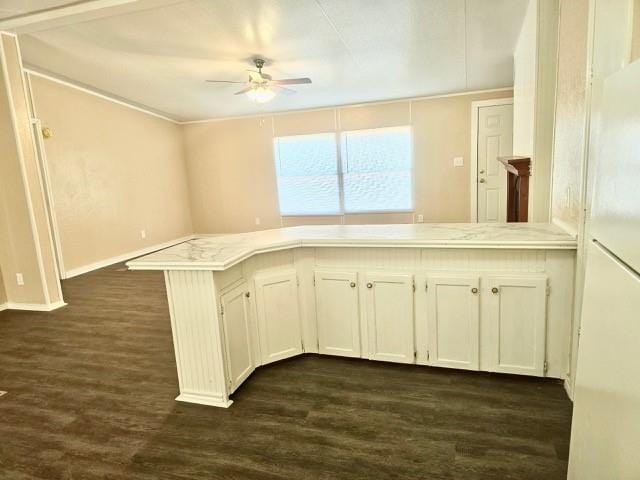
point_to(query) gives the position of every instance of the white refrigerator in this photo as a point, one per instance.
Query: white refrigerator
(605, 436)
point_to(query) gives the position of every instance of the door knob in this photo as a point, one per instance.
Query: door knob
(494, 290)
(482, 180)
(369, 285)
(474, 290)
(353, 284)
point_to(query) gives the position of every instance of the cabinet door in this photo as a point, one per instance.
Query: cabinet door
(516, 314)
(453, 322)
(237, 336)
(338, 313)
(278, 315)
(389, 307)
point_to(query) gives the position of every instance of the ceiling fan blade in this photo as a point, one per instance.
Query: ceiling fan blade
(291, 81)
(286, 91)
(255, 76)
(244, 90)
(222, 81)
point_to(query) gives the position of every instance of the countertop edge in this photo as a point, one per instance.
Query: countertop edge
(346, 243)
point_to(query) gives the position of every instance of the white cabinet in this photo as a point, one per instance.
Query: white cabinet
(237, 335)
(278, 315)
(453, 321)
(337, 313)
(516, 317)
(389, 307)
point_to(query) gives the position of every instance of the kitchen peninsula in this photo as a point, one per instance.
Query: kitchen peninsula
(490, 297)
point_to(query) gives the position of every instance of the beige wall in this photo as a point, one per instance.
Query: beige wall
(114, 171)
(571, 112)
(232, 175)
(25, 242)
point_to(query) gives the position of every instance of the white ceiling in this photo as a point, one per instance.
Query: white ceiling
(354, 50)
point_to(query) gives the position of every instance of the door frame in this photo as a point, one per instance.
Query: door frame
(473, 170)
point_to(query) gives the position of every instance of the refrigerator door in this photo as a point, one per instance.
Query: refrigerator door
(615, 213)
(605, 433)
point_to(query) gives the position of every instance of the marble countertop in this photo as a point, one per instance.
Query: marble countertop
(219, 252)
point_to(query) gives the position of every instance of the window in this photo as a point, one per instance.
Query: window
(307, 170)
(372, 172)
(377, 168)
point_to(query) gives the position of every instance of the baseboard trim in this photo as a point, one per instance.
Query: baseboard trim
(34, 307)
(204, 400)
(74, 272)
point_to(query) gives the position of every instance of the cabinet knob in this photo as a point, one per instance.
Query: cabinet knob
(248, 294)
(369, 285)
(482, 180)
(494, 290)
(474, 290)
(353, 284)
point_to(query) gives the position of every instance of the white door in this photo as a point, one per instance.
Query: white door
(338, 313)
(237, 335)
(453, 323)
(389, 309)
(278, 315)
(516, 316)
(495, 139)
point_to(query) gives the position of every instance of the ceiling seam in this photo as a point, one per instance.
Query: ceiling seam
(337, 32)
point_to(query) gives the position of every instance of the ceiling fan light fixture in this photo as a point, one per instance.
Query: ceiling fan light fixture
(261, 94)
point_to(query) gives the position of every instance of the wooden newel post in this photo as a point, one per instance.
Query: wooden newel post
(518, 173)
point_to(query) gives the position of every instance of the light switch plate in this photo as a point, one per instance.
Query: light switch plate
(257, 220)
(19, 279)
(419, 218)
(143, 234)
(458, 162)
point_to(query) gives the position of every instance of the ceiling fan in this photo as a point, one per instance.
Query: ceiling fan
(261, 88)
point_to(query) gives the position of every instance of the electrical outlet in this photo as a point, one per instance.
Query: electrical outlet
(257, 220)
(19, 279)
(420, 218)
(458, 162)
(143, 234)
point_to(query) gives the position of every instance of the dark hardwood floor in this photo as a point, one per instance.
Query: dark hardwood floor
(91, 392)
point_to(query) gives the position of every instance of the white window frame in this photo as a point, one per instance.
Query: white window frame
(401, 128)
(338, 136)
(276, 158)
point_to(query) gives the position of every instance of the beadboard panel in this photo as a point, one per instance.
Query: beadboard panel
(369, 258)
(483, 260)
(197, 337)
(227, 278)
(268, 261)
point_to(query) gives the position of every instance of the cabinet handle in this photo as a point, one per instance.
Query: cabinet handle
(248, 294)
(474, 290)
(353, 284)
(494, 290)
(369, 285)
